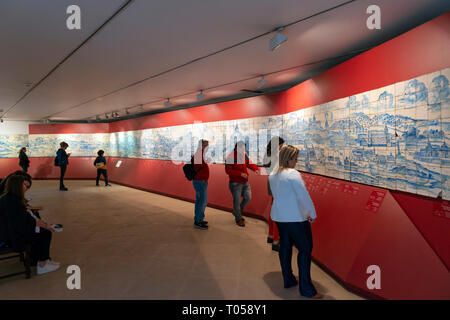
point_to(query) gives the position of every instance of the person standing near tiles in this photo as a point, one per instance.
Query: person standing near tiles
(236, 166)
(100, 164)
(200, 183)
(293, 211)
(270, 162)
(24, 162)
(62, 160)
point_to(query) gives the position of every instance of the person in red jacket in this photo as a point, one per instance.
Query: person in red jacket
(236, 167)
(200, 183)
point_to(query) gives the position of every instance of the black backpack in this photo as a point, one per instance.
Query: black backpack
(189, 171)
(56, 162)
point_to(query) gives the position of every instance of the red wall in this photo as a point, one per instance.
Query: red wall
(407, 236)
(167, 178)
(238, 109)
(43, 168)
(67, 128)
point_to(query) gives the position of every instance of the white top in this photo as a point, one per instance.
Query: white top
(291, 200)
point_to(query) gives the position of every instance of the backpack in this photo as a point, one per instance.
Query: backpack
(189, 171)
(56, 162)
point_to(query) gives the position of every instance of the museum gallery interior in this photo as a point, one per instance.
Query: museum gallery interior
(359, 89)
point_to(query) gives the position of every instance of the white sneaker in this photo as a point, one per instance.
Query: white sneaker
(48, 267)
(53, 262)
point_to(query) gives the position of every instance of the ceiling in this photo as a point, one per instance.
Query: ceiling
(130, 53)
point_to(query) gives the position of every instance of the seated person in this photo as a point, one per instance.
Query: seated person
(19, 228)
(3, 182)
(15, 173)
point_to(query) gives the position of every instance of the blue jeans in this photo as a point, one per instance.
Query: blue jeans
(201, 199)
(300, 235)
(239, 190)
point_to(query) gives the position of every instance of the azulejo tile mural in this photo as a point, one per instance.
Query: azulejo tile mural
(396, 137)
(10, 144)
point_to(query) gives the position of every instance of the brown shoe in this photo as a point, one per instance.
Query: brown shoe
(317, 296)
(240, 223)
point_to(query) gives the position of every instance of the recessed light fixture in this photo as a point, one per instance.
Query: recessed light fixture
(262, 82)
(277, 40)
(200, 96)
(167, 103)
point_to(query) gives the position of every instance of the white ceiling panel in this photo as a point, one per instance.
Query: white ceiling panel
(120, 65)
(34, 39)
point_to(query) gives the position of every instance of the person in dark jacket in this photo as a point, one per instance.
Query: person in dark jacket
(200, 183)
(19, 228)
(236, 166)
(100, 164)
(63, 161)
(24, 162)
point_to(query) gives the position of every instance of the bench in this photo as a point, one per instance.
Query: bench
(8, 253)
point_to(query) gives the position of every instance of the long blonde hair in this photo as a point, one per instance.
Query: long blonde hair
(286, 153)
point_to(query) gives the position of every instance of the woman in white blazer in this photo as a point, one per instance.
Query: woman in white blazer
(293, 211)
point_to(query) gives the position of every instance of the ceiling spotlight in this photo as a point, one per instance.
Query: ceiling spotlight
(200, 96)
(262, 82)
(277, 40)
(167, 103)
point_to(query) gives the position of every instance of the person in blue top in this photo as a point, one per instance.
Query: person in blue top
(63, 161)
(100, 164)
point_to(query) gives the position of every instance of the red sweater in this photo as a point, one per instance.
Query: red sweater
(202, 169)
(234, 169)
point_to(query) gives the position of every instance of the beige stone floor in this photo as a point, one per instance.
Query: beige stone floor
(132, 244)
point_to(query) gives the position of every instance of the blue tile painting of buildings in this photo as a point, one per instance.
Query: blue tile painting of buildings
(396, 137)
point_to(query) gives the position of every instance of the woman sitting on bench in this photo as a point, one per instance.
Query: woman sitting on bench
(19, 228)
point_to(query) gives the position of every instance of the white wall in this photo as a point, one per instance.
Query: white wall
(14, 127)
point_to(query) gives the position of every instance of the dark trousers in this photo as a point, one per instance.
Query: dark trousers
(24, 168)
(40, 246)
(300, 235)
(61, 177)
(105, 175)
